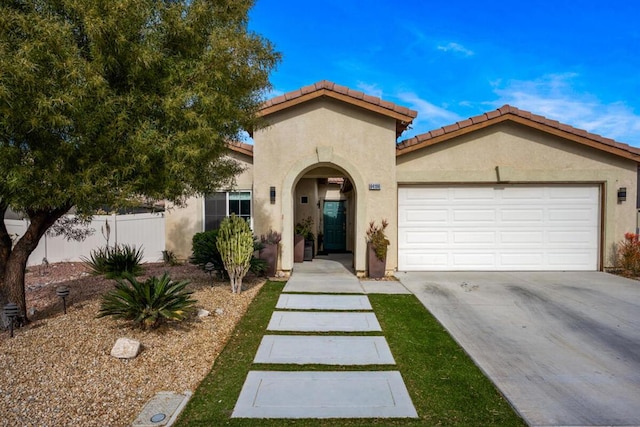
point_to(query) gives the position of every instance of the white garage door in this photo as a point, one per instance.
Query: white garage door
(498, 228)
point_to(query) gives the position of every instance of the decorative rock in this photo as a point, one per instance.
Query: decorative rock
(219, 311)
(125, 348)
(203, 313)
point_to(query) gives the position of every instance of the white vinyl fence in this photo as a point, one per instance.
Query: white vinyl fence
(140, 230)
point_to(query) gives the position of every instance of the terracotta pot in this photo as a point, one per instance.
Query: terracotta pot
(270, 254)
(298, 248)
(376, 267)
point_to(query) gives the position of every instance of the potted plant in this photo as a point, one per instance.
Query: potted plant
(269, 251)
(304, 241)
(377, 244)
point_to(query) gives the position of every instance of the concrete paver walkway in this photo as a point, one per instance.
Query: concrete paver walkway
(321, 321)
(324, 394)
(327, 350)
(273, 394)
(323, 302)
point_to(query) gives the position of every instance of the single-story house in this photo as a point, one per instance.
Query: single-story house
(505, 190)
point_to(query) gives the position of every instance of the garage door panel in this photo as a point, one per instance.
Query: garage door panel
(499, 228)
(473, 260)
(522, 237)
(421, 238)
(520, 194)
(475, 215)
(520, 215)
(521, 260)
(417, 216)
(572, 238)
(480, 193)
(474, 237)
(419, 261)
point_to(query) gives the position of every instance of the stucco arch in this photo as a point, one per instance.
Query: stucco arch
(295, 173)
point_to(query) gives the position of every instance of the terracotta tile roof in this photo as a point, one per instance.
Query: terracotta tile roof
(403, 115)
(526, 118)
(240, 147)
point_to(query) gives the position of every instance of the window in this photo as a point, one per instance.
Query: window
(220, 205)
(304, 200)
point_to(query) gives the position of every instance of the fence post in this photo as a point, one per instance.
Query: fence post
(115, 229)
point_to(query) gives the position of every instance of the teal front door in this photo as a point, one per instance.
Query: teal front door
(335, 226)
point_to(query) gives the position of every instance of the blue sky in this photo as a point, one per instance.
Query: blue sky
(576, 61)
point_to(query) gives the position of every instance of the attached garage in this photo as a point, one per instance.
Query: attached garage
(499, 227)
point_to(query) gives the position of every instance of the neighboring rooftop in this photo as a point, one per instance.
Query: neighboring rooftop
(241, 147)
(526, 118)
(403, 115)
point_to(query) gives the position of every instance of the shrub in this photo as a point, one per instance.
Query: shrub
(205, 254)
(305, 228)
(147, 304)
(235, 243)
(170, 258)
(377, 238)
(271, 238)
(116, 261)
(629, 253)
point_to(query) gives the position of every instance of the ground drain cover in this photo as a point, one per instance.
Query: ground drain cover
(162, 410)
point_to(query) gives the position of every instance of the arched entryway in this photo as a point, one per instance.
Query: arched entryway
(325, 188)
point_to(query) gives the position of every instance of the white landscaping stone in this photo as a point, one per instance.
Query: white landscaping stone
(125, 348)
(203, 313)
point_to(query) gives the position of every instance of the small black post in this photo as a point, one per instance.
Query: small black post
(11, 311)
(63, 292)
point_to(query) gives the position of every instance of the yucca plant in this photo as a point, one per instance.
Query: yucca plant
(147, 304)
(114, 262)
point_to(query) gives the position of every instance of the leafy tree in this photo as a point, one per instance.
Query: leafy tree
(104, 101)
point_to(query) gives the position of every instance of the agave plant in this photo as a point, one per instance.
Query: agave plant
(116, 261)
(147, 304)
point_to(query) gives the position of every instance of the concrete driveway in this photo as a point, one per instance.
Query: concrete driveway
(564, 348)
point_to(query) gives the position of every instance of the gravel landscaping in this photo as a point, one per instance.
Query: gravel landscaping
(58, 370)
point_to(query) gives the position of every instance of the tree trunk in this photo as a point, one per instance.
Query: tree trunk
(12, 268)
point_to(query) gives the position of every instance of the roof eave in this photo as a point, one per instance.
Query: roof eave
(458, 129)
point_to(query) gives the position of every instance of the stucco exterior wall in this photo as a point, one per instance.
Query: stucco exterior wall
(181, 223)
(326, 133)
(517, 154)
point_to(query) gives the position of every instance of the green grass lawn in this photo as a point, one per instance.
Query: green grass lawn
(444, 384)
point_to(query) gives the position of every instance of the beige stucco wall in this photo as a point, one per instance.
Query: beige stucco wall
(326, 133)
(181, 223)
(521, 154)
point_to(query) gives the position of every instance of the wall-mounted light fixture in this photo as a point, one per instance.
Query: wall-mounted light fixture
(272, 195)
(622, 194)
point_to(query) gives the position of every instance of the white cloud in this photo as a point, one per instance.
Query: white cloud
(430, 116)
(455, 48)
(370, 89)
(555, 97)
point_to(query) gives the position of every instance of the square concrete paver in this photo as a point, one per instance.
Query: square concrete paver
(323, 283)
(323, 302)
(311, 321)
(326, 350)
(272, 394)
